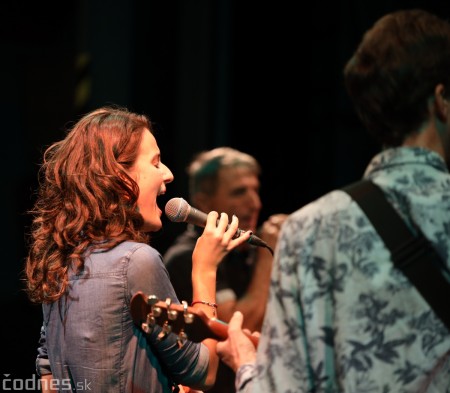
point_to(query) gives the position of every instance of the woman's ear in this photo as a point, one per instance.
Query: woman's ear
(441, 103)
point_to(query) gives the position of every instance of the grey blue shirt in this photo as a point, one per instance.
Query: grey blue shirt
(89, 341)
(340, 317)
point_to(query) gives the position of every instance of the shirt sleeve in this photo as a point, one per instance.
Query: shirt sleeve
(147, 273)
(42, 361)
(244, 377)
(189, 363)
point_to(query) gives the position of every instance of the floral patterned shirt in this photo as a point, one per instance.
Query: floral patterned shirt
(340, 317)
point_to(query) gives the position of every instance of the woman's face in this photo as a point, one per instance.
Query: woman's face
(151, 175)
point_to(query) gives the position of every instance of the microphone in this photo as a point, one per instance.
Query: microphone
(178, 210)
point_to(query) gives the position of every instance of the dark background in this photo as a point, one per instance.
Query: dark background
(263, 77)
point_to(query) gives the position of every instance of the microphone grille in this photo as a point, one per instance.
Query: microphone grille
(177, 210)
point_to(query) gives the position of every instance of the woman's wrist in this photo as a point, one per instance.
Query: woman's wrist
(204, 291)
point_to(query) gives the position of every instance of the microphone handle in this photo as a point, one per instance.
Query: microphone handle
(198, 218)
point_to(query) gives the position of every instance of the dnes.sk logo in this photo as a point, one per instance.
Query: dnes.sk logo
(35, 383)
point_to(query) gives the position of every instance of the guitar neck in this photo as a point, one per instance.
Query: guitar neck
(188, 322)
(220, 330)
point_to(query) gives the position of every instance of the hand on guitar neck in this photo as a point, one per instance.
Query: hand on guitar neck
(188, 322)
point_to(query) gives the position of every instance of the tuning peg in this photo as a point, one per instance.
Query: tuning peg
(146, 328)
(182, 338)
(152, 299)
(171, 314)
(188, 317)
(149, 324)
(166, 329)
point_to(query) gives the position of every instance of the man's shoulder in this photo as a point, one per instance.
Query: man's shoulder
(324, 206)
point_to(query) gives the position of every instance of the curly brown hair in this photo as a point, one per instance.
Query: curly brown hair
(85, 199)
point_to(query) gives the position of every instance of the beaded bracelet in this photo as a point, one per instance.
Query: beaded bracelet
(214, 305)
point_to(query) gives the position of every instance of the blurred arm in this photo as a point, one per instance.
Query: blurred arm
(253, 303)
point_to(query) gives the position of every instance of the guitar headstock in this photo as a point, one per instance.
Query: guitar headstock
(187, 322)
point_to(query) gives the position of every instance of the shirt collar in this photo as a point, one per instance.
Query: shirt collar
(405, 155)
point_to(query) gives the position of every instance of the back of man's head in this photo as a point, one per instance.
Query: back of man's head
(394, 72)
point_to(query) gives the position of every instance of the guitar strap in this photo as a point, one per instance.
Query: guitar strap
(412, 254)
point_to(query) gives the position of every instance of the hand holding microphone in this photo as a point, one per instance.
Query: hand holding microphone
(178, 210)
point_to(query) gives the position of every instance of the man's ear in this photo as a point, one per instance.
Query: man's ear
(441, 103)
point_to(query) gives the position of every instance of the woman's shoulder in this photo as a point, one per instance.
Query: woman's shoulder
(146, 271)
(137, 251)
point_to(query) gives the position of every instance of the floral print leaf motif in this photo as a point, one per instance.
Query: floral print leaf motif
(423, 180)
(317, 265)
(359, 357)
(370, 307)
(293, 329)
(357, 243)
(319, 376)
(387, 351)
(432, 329)
(281, 294)
(338, 275)
(407, 373)
(328, 336)
(275, 351)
